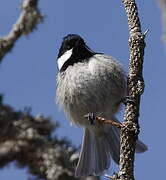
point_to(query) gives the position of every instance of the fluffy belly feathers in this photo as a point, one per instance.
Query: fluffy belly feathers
(84, 88)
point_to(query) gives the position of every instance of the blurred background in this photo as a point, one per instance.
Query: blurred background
(28, 73)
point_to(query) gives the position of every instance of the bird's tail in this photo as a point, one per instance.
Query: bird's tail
(96, 151)
(94, 157)
(140, 146)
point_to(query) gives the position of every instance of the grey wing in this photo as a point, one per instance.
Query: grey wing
(111, 79)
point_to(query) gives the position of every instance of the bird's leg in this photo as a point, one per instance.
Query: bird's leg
(128, 99)
(91, 118)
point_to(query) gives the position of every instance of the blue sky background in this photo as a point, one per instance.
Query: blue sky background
(28, 73)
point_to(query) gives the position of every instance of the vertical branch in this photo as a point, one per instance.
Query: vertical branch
(130, 130)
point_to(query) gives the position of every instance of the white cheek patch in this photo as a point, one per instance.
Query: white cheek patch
(64, 58)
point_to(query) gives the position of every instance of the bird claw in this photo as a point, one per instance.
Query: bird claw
(91, 118)
(128, 99)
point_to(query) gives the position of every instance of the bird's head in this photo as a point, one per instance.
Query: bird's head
(73, 50)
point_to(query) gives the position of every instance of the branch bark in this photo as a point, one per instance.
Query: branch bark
(26, 23)
(135, 87)
(108, 121)
(28, 141)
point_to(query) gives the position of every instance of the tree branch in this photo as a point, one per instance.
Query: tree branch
(130, 129)
(28, 141)
(26, 23)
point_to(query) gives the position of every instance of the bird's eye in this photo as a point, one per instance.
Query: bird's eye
(68, 47)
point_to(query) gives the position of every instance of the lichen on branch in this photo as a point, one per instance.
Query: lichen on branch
(28, 20)
(135, 87)
(29, 141)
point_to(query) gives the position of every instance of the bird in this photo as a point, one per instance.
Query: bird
(91, 82)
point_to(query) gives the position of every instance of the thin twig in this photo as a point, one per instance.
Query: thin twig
(26, 23)
(113, 123)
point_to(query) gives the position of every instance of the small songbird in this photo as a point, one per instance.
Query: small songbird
(90, 82)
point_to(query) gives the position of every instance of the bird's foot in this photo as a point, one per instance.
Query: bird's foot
(128, 99)
(91, 118)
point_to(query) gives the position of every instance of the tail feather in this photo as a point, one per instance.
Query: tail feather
(96, 150)
(102, 155)
(94, 157)
(114, 143)
(140, 147)
(86, 156)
